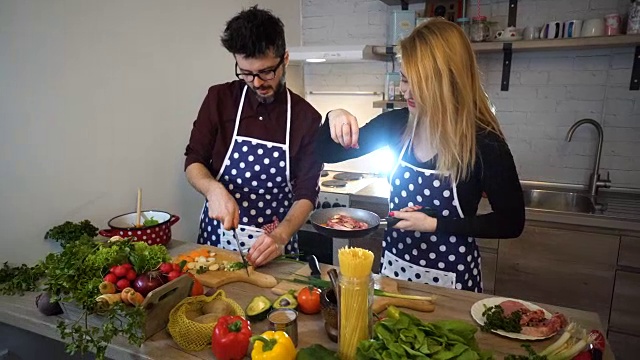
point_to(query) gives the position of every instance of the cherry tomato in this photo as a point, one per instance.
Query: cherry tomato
(112, 278)
(120, 271)
(309, 300)
(131, 275)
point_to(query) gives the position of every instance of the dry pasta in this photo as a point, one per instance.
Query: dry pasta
(355, 295)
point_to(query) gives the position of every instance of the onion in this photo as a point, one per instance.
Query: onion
(148, 282)
(45, 306)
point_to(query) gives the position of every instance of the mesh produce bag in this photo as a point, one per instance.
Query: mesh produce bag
(191, 335)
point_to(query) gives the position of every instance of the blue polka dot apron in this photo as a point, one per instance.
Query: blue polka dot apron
(256, 174)
(440, 259)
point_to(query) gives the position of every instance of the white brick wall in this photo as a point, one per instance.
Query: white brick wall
(549, 91)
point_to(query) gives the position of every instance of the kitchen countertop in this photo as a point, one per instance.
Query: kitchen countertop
(622, 210)
(19, 311)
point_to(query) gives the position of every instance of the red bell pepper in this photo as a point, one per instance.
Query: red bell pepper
(230, 339)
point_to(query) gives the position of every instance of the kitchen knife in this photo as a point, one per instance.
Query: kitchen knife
(392, 221)
(244, 261)
(314, 266)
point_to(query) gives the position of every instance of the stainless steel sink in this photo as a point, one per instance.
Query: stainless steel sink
(558, 201)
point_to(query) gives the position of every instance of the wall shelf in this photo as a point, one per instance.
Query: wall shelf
(387, 104)
(541, 45)
(399, 2)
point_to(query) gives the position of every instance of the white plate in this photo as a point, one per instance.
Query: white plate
(479, 307)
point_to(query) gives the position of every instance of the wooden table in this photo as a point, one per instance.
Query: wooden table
(451, 304)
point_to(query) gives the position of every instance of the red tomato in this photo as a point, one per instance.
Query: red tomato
(173, 275)
(113, 268)
(120, 271)
(127, 266)
(309, 300)
(123, 284)
(112, 278)
(599, 342)
(131, 275)
(166, 268)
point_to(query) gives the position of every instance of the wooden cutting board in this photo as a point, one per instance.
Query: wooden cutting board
(218, 278)
(380, 303)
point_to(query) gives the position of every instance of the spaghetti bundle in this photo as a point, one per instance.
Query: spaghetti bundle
(356, 297)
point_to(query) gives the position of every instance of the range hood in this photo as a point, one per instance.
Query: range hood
(338, 53)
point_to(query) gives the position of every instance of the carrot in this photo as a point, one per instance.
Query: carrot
(135, 298)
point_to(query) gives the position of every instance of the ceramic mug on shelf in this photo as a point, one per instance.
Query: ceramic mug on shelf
(552, 30)
(507, 34)
(593, 27)
(612, 24)
(572, 29)
(531, 33)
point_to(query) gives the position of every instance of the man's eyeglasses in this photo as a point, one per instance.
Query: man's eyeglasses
(264, 75)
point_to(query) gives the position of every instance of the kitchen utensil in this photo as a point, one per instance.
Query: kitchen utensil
(159, 234)
(478, 308)
(244, 261)
(531, 33)
(333, 276)
(314, 266)
(508, 34)
(218, 278)
(552, 30)
(380, 303)
(320, 217)
(138, 207)
(329, 308)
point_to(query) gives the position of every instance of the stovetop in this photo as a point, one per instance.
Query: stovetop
(344, 182)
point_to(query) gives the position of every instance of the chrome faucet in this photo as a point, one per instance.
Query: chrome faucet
(595, 181)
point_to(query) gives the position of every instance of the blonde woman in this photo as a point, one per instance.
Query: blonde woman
(450, 150)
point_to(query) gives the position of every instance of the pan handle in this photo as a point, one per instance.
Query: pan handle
(391, 221)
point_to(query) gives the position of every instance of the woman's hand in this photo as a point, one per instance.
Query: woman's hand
(266, 248)
(344, 128)
(223, 207)
(414, 220)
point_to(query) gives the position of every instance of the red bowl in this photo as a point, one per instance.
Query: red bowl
(159, 234)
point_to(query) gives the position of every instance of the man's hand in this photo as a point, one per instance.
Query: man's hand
(266, 248)
(224, 208)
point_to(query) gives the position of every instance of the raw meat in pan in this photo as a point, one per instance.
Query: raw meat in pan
(344, 222)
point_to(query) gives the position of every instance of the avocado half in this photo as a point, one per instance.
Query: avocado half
(258, 308)
(286, 301)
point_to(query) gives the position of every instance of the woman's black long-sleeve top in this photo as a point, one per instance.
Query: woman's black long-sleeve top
(494, 174)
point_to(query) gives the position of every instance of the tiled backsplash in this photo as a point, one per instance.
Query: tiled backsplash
(549, 91)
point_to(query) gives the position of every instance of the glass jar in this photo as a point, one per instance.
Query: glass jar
(465, 25)
(479, 30)
(355, 316)
(633, 23)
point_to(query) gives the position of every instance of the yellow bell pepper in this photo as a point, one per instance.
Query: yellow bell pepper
(273, 345)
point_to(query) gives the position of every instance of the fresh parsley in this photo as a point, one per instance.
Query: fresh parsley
(495, 319)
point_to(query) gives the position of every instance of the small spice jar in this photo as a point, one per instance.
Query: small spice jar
(479, 30)
(465, 24)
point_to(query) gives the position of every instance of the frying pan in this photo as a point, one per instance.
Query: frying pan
(320, 217)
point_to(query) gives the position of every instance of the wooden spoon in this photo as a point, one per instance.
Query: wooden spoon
(138, 208)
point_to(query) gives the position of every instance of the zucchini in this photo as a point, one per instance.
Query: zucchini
(258, 308)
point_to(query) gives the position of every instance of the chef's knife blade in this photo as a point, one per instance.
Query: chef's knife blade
(244, 261)
(314, 266)
(392, 221)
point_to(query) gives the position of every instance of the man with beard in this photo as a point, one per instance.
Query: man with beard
(251, 147)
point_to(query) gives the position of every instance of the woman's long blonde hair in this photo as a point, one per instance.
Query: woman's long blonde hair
(450, 101)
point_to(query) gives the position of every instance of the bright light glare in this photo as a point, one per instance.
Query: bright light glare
(384, 160)
(316, 60)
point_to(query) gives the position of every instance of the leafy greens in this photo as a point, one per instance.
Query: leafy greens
(403, 336)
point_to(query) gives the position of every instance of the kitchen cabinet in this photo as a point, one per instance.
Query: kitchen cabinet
(625, 312)
(629, 252)
(489, 262)
(559, 266)
(625, 347)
